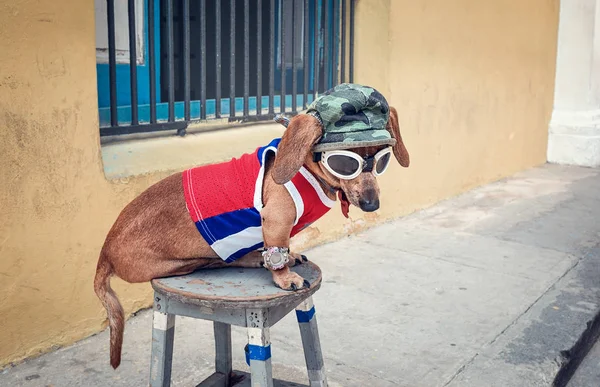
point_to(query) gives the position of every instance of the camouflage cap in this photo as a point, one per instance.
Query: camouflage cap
(353, 116)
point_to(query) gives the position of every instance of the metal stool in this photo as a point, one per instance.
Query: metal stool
(235, 296)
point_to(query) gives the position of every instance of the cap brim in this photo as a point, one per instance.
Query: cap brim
(352, 144)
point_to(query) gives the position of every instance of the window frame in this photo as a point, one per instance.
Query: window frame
(123, 76)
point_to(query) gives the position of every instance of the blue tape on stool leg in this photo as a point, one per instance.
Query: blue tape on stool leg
(304, 317)
(256, 352)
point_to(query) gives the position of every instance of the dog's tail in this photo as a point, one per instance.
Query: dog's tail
(116, 316)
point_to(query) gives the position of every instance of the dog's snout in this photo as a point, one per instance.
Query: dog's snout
(369, 205)
(369, 200)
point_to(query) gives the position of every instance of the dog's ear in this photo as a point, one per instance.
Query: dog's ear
(301, 134)
(399, 149)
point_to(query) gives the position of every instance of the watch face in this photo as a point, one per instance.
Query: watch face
(276, 258)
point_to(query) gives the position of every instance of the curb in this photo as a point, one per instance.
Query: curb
(571, 359)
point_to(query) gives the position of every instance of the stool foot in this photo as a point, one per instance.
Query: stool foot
(223, 361)
(259, 348)
(163, 332)
(307, 321)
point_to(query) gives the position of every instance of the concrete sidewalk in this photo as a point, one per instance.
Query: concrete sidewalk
(485, 289)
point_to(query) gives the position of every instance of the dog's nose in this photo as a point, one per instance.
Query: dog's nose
(369, 205)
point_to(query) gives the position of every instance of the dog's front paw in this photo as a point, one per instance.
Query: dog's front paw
(288, 280)
(296, 259)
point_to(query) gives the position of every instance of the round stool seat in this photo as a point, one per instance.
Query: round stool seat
(236, 288)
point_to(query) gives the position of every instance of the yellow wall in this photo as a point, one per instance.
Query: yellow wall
(472, 81)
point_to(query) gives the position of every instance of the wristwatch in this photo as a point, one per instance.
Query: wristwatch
(275, 257)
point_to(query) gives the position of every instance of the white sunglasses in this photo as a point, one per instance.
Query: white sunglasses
(347, 165)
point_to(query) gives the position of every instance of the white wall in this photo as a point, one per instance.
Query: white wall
(574, 134)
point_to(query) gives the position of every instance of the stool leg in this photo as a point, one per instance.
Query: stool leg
(163, 332)
(307, 321)
(259, 347)
(223, 362)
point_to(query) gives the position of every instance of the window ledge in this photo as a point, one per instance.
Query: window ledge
(142, 156)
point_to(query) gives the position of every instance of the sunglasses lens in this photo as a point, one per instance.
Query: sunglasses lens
(343, 165)
(382, 163)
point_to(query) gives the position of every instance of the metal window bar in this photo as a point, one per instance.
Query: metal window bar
(232, 59)
(112, 61)
(259, 45)
(203, 59)
(326, 49)
(322, 55)
(336, 41)
(152, 62)
(283, 71)
(294, 64)
(218, 32)
(316, 64)
(171, 61)
(351, 55)
(272, 58)
(132, 62)
(305, 55)
(247, 58)
(186, 58)
(343, 49)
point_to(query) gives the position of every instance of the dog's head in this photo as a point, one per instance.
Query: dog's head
(362, 190)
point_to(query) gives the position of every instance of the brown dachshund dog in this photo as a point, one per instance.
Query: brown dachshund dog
(154, 235)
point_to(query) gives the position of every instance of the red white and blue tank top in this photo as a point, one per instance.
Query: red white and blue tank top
(225, 200)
